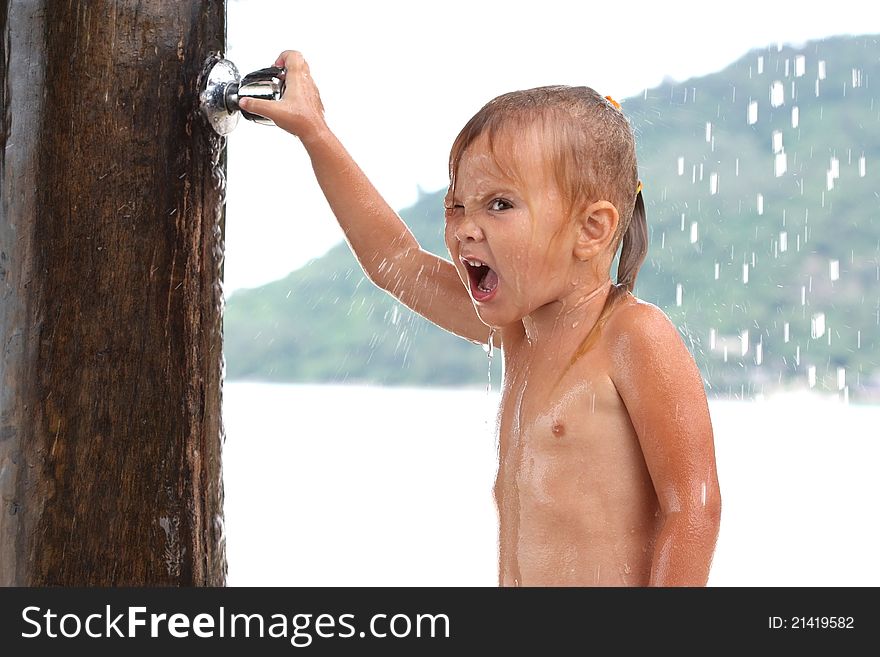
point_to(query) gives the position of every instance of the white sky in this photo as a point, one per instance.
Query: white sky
(400, 79)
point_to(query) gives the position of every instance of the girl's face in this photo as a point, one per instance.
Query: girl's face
(506, 229)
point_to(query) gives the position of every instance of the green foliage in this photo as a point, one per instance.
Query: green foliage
(325, 322)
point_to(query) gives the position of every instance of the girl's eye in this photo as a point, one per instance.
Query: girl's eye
(499, 204)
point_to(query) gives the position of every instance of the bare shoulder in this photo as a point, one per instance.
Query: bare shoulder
(662, 388)
(635, 320)
(642, 341)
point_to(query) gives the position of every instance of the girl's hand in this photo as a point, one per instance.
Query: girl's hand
(299, 111)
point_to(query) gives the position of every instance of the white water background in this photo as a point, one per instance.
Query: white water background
(344, 485)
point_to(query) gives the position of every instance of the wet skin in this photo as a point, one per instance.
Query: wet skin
(606, 472)
(576, 501)
(576, 504)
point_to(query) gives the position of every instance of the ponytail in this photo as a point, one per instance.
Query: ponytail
(635, 245)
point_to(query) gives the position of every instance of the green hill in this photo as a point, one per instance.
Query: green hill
(765, 243)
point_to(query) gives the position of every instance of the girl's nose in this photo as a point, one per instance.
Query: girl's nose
(468, 230)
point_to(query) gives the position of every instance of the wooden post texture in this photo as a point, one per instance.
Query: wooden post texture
(111, 252)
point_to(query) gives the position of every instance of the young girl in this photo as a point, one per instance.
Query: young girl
(606, 471)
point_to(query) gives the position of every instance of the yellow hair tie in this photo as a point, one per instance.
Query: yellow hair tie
(639, 188)
(613, 102)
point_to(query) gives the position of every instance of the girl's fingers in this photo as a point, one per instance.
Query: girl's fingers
(289, 59)
(267, 108)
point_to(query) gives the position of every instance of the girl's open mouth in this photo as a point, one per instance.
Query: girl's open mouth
(483, 280)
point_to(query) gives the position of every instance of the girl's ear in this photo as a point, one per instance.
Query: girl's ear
(595, 227)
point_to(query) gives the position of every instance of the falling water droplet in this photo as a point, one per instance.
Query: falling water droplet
(678, 294)
(759, 353)
(811, 376)
(753, 112)
(785, 332)
(781, 164)
(800, 66)
(856, 78)
(745, 273)
(777, 141)
(744, 342)
(760, 204)
(717, 270)
(694, 232)
(841, 378)
(783, 241)
(777, 94)
(834, 270)
(817, 325)
(711, 339)
(680, 166)
(862, 166)
(713, 184)
(760, 65)
(708, 132)
(488, 348)
(795, 117)
(821, 69)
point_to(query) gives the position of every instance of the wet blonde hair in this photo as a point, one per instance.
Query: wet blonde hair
(589, 144)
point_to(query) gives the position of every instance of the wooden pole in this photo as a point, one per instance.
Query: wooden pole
(111, 251)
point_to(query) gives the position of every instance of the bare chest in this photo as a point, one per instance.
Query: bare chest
(566, 431)
(542, 407)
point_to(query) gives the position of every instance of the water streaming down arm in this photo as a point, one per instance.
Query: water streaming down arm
(385, 247)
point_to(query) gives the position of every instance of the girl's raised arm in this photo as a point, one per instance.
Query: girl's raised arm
(385, 248)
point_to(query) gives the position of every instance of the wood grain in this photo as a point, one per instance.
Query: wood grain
(111, 252)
